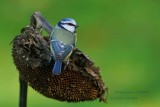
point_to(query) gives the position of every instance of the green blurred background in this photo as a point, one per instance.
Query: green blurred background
(121, 36)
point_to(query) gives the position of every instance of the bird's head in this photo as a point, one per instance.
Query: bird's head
(68, 24)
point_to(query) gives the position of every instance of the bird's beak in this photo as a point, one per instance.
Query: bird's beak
(76, 26)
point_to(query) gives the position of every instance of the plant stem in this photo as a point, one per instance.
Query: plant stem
(23, 93)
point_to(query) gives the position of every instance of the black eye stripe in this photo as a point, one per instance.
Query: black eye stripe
(70, 24)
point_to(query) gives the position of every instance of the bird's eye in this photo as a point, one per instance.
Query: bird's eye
(70, 24)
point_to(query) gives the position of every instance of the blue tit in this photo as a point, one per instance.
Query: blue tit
(62, 42)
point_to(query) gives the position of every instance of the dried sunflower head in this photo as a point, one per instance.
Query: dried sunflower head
(79, 81)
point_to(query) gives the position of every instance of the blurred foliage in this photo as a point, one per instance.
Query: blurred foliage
(121, 37)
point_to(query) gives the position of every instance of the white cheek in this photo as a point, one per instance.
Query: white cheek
(69, 28)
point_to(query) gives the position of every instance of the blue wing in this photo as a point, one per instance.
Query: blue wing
(60, 53)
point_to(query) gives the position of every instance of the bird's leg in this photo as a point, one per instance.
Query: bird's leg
(23, 93)
(51, 56)
(66, 63)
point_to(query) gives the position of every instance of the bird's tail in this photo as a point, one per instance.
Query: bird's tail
(57, 67)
